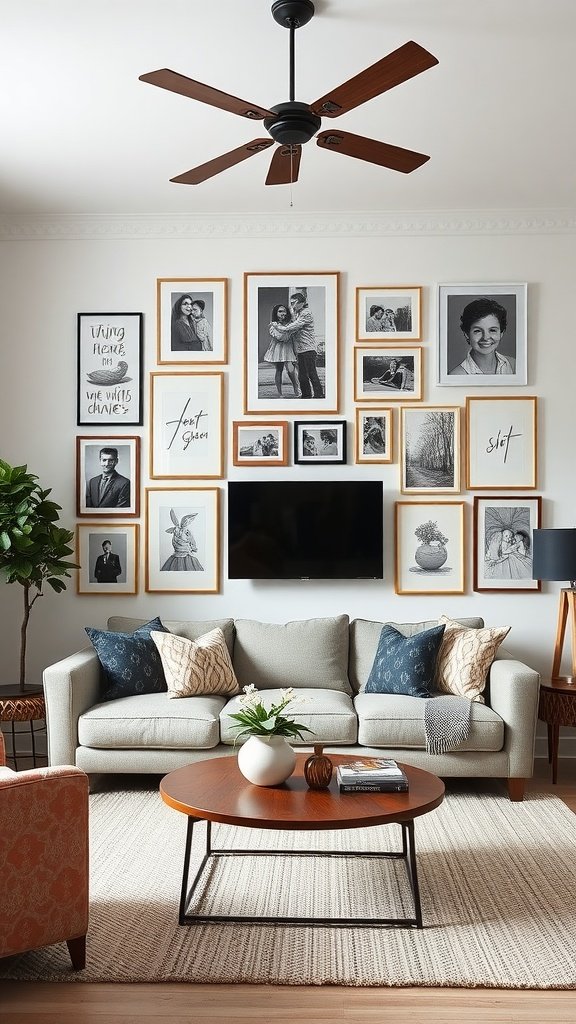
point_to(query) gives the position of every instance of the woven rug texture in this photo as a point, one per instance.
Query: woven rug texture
(498, 890)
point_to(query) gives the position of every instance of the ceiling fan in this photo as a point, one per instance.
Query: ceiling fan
(293, 124)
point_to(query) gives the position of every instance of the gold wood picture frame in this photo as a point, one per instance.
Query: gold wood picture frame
(390, 313)
(108, 555)
(502, 443)
(388, 374)
(182, 540)
(187, 426)
(429, 547)
(430, 449)
(374, 436)
(259, 443)
(192, 317)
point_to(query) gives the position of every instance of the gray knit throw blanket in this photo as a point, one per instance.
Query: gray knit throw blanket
(446, 722)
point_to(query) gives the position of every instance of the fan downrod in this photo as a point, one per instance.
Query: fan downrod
(292, 13)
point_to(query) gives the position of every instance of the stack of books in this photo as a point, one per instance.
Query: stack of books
(372, 775)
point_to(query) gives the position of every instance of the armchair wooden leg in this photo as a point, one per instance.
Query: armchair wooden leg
(77, 950)
(516, 789)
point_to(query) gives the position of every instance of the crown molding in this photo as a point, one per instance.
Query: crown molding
(154, 227)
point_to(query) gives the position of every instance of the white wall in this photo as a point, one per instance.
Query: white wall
(52, 271)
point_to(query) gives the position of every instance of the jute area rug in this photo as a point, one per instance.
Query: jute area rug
(498, 885)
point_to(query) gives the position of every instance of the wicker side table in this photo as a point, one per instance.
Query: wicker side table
(22, 707)
(557, 706)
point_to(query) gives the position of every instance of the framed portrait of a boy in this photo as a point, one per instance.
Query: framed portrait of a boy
(291, 342)
(503, 543)
(482, 335)
(191, 319)
(374, 436)
(182, 540)
(108, 558)
(388, 313)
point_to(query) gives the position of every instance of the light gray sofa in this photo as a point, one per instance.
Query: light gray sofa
(328, 659)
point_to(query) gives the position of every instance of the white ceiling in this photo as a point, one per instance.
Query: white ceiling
(80, 134)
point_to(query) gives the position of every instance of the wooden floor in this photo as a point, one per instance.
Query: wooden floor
(36, 1003)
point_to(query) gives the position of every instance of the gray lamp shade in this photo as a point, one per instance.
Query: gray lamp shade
(554, 554)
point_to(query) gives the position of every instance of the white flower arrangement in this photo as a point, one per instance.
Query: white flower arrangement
(256, 720)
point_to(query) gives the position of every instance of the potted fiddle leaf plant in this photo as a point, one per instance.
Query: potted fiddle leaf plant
(33, 548)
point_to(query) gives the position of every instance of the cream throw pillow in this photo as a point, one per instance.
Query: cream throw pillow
(196, 667)
(465, 657)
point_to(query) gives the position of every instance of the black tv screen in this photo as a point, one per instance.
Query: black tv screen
(305, 530)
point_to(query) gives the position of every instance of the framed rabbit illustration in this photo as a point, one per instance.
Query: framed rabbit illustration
(182, 535)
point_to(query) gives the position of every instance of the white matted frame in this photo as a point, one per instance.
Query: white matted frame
(477, 321)
(281, 331)
(319, 442)
(388, 313)
(429, 547)
(182, 540)
(503, 543)
(501, 450)
(374, 436)
(108, 558)
(430, 451)
(186, 426)
(393, 374)
(192, 319)
(109, 384)
(259, 443)
(121, 499)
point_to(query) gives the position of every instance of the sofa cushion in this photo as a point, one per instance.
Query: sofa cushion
(328, 713)
(364, 637)
(465, 658)
(190, 629)
(309, 653)
(130, 662)
(405, 664)
(397, 721)
(154, 721)
(196, 667)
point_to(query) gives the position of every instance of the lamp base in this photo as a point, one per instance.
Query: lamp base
(566, 607)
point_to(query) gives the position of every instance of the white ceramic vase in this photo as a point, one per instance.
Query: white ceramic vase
(266, 760)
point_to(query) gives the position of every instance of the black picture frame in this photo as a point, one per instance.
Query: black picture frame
(322, 435)
(109, 370)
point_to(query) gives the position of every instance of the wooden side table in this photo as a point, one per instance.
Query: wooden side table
(557, 706)
(22, 707)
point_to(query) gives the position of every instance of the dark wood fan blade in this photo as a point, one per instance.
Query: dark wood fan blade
(171, 80)
(284, 165)
(400, 65)
(374, 152)
(222, 163)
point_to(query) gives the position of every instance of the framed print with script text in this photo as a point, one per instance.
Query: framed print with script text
(109, 385)
(501, 443)
(186, 426)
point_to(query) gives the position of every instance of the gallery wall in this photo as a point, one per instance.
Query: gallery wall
(52, 270)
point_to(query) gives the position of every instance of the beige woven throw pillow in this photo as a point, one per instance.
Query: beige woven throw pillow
(196, 667)
(465, 657)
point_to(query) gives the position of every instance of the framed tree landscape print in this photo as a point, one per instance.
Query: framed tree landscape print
(186, 426)
(429, 547)
(503, 543)
(182, 540)
(191, 315)
(482, 335)
(291, 342)
(502, 443)
(109, 385)
(388, 313)
(430, 450)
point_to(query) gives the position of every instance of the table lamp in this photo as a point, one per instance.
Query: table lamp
(554, 558)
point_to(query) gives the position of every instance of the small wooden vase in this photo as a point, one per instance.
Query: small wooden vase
(318, 769)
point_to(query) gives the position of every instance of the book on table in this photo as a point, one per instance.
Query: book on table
(371, 775)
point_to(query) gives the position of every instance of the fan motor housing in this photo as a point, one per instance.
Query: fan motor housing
(294, 125)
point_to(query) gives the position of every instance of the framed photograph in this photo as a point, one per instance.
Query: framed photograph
(388, 314)
(482, 335)
(395, 373)
(429, 547)
(374, 435)
(191, 318)
(503, 543)
(187, 435)
(320, 442)
(291, 342)
(108, 558)
(502, 443)
(258, 443)
(108, 476)
(109, 380)
(182, 540)
(430, 449)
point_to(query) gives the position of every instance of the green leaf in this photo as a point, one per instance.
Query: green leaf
(5, 542)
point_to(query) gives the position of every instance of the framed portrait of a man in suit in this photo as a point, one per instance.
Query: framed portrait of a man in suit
(108, 477)
(108, 558)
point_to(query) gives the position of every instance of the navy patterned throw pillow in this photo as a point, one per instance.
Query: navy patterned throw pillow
(130, 661)
(405, 664)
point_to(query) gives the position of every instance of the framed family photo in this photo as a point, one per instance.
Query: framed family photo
(182, 540)
(482, 335)
(108, 476)
(108, 558)
(395, 373)
(502, 443)
(186, 425)
(291, 342)
(191, 319)
(319, 442)
(109, 382)
(374, 435)
(430, 450)
(388, 313)
(429, 547)
(503, 543)
(258, 443)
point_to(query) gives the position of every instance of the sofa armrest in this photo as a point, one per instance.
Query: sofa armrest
(514, 689)
(71, 687)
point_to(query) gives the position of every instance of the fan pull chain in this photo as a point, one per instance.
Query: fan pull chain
(291, 174)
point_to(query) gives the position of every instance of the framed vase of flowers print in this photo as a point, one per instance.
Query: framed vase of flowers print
(182, 540)
(186, 426)
(501, 443)
(503, 543)
(429, 548)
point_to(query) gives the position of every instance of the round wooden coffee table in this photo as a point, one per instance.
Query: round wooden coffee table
(215, 790)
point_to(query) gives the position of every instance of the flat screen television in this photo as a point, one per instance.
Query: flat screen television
(319, 529)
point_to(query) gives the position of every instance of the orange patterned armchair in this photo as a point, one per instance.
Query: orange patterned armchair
(43, 859)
